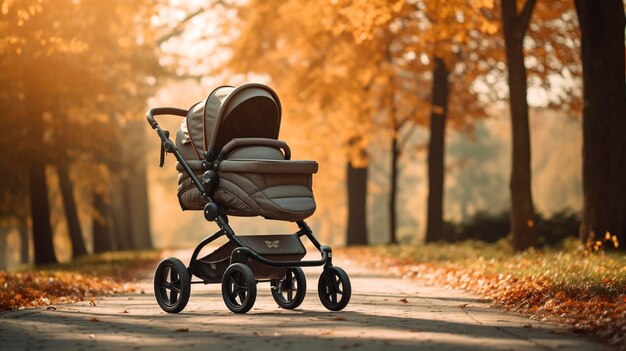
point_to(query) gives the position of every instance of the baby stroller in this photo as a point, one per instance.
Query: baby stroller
(230, 163)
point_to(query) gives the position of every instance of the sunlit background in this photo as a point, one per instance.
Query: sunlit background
(98, 66)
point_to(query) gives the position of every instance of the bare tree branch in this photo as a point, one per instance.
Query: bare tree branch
(523, 18)
(179, 28)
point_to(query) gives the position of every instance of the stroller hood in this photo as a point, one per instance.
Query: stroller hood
(247, 111)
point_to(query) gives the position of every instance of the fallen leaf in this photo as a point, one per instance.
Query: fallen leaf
(124, 311)
(404, 300)
(463, 305)
(527, 325)
(51, 308)
(182, 330)
(94, 319)
(256, 333)
(338, 319)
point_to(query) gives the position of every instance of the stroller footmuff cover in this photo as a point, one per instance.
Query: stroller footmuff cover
(256, 176)
(230, 162)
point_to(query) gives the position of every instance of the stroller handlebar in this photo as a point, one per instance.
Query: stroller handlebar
(163, 111)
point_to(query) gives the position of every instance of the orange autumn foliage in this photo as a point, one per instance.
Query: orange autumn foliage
(111, 273)
(589, 295)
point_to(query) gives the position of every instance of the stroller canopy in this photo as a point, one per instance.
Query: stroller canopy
(247, 111)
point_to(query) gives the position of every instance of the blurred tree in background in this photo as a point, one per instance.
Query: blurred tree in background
(352, 75)
(604, 120)
(75, 75)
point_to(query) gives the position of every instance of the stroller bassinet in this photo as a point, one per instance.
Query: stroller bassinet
(239, 127)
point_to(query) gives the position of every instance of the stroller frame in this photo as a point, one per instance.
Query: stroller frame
(331, 277)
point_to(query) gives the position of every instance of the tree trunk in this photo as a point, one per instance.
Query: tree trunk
(136, 189)
(393, 191)
(357, 205)
(604, 119)
(121, 214)
(3, 249)
(101, 230)
(40, 212)
(137, 197)
(522, 210)
(38, 189)
(24, 240)
(71, 214)
(436, 152)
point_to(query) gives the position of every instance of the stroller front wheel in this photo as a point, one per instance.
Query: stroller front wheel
(283, 289)
(238, 288)
(172, 285)
(334, 288)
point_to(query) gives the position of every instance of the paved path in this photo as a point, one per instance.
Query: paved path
(376, 319)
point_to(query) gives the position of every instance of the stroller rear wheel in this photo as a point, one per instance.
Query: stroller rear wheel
(238, 288)
(334, 288)
(283, 289)
(172, 285)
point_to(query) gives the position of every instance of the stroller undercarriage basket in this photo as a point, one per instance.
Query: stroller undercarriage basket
(276, 247)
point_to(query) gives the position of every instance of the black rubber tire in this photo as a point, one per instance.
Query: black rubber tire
(172, 285)
(334, 288)
(282, 289)
(238, 282)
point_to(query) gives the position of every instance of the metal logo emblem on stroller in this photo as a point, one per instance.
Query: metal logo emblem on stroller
(271, 244)
(231, 163)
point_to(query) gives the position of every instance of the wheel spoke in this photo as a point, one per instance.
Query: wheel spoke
(173, 296)
(232, 294)
(242, 296)
(234, 283)
(173, 275)
(289, 279)
(175, 288)
(166, 274)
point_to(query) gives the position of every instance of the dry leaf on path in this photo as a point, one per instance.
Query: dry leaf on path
(94, 319)
(182, 330)
(338, 319)
(404, 300)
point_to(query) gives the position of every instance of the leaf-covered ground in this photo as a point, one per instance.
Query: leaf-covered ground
(569, 285)
(78, 280)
